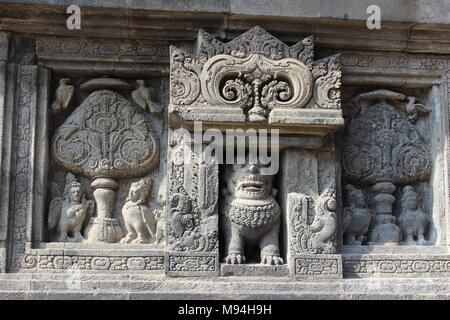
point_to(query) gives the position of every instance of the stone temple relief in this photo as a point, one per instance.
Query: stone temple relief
(250, 215)
(384, 152)
(112, 136)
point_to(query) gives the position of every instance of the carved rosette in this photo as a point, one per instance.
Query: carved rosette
(105, 138)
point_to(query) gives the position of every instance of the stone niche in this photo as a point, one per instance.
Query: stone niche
(105, 202)
(235, 219)
(387, 149)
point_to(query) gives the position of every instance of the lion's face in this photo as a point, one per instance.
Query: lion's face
(247, 182)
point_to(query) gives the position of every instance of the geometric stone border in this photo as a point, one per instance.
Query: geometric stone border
(190, 264)
(44, 260)
(388, 265)
(253, 270)
(315, 266)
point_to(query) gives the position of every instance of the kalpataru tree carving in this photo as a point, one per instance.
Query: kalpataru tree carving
(250, 215)
(252, 81)
(105, 138)
(383, 148)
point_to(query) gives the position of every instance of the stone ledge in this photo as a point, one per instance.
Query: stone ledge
(51, 286)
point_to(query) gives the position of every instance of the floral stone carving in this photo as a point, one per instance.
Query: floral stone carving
(383, 148)
(250, 215)
(105, 138)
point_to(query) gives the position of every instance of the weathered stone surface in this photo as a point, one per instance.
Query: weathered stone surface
(104, 195)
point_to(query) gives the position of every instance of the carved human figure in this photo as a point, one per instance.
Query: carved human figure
(357, 217)
(139, 221)
(413, 221)
(68, 214)
(250, 215)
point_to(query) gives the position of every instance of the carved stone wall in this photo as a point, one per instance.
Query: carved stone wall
(97, 175)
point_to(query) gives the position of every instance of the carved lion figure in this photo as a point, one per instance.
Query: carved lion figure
(250, 215)
(357, 217)
(68, 214)
(413, 221)
(139, 220)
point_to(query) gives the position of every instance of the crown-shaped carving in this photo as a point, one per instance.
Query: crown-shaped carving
(256, 78)
(255, 40)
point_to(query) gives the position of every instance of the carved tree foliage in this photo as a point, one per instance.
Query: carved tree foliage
(105, 136)
(380, 143)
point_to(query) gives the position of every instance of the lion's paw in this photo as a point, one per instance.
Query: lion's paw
(269, 259)
(235, 258)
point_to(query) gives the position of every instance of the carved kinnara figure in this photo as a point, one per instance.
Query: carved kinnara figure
(67, 214)
(250, 215)
(356, 217)
(139, 220)
(413, 221)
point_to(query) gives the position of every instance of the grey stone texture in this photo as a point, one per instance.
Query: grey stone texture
(98, 200)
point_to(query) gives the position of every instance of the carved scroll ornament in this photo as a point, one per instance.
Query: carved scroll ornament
(256, 73)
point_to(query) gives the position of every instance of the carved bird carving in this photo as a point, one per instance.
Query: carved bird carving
(142, 97)
(63, 96)
(415, 109)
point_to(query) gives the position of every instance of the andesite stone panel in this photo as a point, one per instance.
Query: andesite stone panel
(103, 173)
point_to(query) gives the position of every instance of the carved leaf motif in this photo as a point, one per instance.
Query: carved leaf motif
(381, 143)
(184, 80)
(255, 40)
(105, 135)
(275, 92)
(230, 81)
(327, 82)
